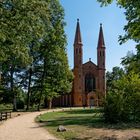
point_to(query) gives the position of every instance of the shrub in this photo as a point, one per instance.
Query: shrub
(112, 108)
(119, 107)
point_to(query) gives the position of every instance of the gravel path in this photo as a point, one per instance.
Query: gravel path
(24, 128)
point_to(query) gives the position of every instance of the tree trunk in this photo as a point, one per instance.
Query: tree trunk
(38, 107)
(42, 84)
(0, 77)
(0, 74)
(45, 102)
(50, 103)
(12, 87)
(29, 89)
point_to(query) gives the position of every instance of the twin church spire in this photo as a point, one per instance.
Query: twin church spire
(78, 38)
(78, 55)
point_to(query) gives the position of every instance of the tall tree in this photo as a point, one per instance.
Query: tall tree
(131, 61)
(112, 77)
(33, 37)
(56, 77)
(22, 22)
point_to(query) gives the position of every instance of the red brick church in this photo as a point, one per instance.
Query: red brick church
(89, 78)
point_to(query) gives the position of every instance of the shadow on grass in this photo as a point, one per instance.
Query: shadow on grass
(85, 111)
(89, 121)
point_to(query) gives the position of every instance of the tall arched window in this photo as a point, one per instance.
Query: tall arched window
(90, 83)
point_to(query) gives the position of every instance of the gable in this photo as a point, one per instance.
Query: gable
(90, 67)
(90, 64)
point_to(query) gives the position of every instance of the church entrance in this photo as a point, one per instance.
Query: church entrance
(91, 102)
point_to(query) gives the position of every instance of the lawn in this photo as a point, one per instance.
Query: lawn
(82, 124)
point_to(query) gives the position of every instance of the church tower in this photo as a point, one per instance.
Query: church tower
(89, 78)
(101, 62)
(78, 61)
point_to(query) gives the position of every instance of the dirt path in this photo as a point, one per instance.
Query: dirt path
(24, 128)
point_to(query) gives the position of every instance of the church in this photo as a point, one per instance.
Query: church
(89, 86)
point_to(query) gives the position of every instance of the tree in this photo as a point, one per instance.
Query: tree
(21, 24)
(33, 48)
(127, 87)
(132, 30)
(123, 102)
(111, 77)
(56, 78)
(132, 13)
(131, 61)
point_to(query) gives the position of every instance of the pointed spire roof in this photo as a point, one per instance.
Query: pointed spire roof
(78, 39)
(101, 42)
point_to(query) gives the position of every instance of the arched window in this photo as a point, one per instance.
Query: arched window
(76, 50)
(79, 50)
(90, 83)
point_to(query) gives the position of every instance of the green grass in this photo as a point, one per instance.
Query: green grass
(72, 120)
(78, 122)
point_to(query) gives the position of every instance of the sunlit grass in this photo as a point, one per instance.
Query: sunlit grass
(80, 123)
(75, 121)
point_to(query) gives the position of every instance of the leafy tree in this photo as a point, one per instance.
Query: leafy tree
(55, 78)
(21, 23)
(131, 61)
(132, 29)
(123, 102)
(132, 13)
(111, 77)
(33, 48)
(124, 93)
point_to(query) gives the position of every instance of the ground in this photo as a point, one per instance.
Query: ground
(81, 124)
(88, 124)
(23, 127)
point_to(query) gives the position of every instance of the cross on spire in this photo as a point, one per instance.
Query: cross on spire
(101, 42)
(78, 39)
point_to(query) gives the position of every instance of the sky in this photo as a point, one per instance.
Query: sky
(91, 15)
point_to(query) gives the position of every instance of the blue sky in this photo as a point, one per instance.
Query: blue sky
(91, 15)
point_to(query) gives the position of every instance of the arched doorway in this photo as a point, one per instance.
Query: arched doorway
(91, 101)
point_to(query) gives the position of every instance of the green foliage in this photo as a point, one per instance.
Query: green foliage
(131, 61)
(20, 104)
(105, 2)
(113, 107)
(55, 78)
(132, 13)
(22, 23)
(123, 102)
(111, 77)
(5, 107)
(33, 49)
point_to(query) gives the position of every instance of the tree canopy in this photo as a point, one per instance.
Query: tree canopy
(33, 47)
(132, 13)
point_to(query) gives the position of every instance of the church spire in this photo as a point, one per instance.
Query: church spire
(101, 42)
(78, 39)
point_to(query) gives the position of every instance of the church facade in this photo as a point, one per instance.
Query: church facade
(89, 78)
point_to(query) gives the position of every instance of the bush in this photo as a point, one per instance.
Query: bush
(112, 108)
(4, 107)
(122, 108)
